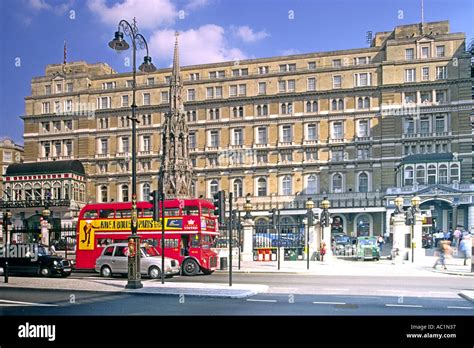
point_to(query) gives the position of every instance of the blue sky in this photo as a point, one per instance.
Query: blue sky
(210, 31)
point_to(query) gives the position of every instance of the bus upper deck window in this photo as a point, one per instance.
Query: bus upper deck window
(148, 212)
(123, 214)
(205, 211)
(172, 212)
(90, 214)
(107, 213)
(191, 210)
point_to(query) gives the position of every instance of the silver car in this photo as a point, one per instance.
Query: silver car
(114, 260)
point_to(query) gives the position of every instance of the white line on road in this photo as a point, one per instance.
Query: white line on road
(329, 289)
(255, 300)
(456, 307)
(19, 303)
(403, 305)
(331, 303)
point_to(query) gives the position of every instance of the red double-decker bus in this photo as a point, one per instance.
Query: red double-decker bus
(190, 228)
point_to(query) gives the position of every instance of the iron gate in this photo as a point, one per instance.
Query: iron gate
(267, 239)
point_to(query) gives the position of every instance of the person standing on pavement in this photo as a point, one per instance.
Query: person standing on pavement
(380, 242)
(456, 237)
(322, 251)
(466, 247)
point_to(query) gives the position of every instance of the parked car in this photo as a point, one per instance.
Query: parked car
(343, 245)
(367, 248)
(34, 259)
(114, 260)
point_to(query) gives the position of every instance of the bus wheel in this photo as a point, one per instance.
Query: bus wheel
(154, 272)
(106, 271)
(190, 267)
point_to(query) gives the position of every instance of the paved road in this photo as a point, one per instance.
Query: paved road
(290, 294)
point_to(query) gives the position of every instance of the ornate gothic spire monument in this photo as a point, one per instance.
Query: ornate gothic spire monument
(176, 169)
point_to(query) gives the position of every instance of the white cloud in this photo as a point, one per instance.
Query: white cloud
(290, 52)
(149, 13)
(39, 4)
(58, 8)
(247, 34)
(207, 44)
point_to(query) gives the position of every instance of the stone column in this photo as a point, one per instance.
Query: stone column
(247, 252)
(326, 237)
(470, 220)
(314, 241)
(400, 231)
(417, 234)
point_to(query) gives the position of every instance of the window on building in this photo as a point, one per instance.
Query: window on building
(440, 51)
(286, 156)
(214, 138)
(108, 85)
(213, 160)
(363, 182)
(362, 79)
(425, 73)
(286, 188)
(410, 54)
(291, 85)
(194, 76)
(125, 144)
(420, 174)
(218, 92)
(262, 88)
(103, 123)
(46, 149)
(311, 84)
(146, 191)
(146, 143)
(410, 75)
(286, 133)
(57, 106)
(409, 126)
(238, 137)
(192, 140)
(361, 60)
(312, 133)
(165, 97)
(191, 94)
(311, 185)
(262, 157)
(59, 87)
(103, 194)
(337, 81)
(337, 130)
(311, 154)
(454, 172)
(440, 124)
(337, 183)
(281, 86)
(337, 154)
(363, 153)
(262, 187)
(125, 193)
(233, 90)
(104, 102)
(410, 97)
(441, 73)
(425, 97)
(263, 70)
(408, 176)
(192, 116)
(104, 143)
(425, 52)
(47, 90)
(213, 187)
(262, 135)
(363, 129)
(441, 96)
(68, 145)
(311, 65)
(242, 90)
(431, 174)
(146, 98)
(150, 81)
(443, 174)
(424, 125)
(46, 107)
(238, 188)
(210, 92)
(336, 63)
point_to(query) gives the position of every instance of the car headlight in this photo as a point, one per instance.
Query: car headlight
(55, 262)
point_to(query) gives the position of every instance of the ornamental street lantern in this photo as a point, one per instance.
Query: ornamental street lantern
(248, 207)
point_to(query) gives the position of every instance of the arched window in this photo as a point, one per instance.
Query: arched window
(146, 191)
(17, 193)
(259, 110)
(283, 109)
(334, 104)
(47, 194)
(37, 191)
(28, 192)
(420, 174)
(211, 114)
(213, 187)
(265, 110)
(125, 193)
(431, 174)
(234, 112)
(241, 111)
(75, 192)
(82, 193)
(238, 188)
(193, 189)
(337, 183)
(366, 102)
(340, 105)
(216, 111)
(311, 186)
(315, 106)
(103, 194)
(443, 174)
(454, 172)
(408, 176)
(262, 187)
(360, 103)
(363, 182)
(56, 190)
(290, 108)
(286, 185)
(67, 192)
(308, 106)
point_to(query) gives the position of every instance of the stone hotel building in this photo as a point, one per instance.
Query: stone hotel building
(360, 126)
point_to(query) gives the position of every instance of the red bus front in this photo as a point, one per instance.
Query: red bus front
(190, 227)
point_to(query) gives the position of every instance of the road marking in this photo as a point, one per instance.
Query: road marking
(402, 305)
(335, 289)
(19, 303)
(331, 303)
(456, 307)
(255, 300)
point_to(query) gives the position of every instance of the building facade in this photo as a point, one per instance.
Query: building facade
(9, 153)
(345, 124)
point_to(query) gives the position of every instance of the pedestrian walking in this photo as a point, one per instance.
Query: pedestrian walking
(456, 237)
(443, 252)
(380, 242)
(322, 251)
(466, 247)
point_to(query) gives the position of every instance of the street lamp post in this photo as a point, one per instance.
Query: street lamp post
(248, 207)
(411, 220)
(309, 217)
(6, 222)
(325, 218)
(119, 44)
